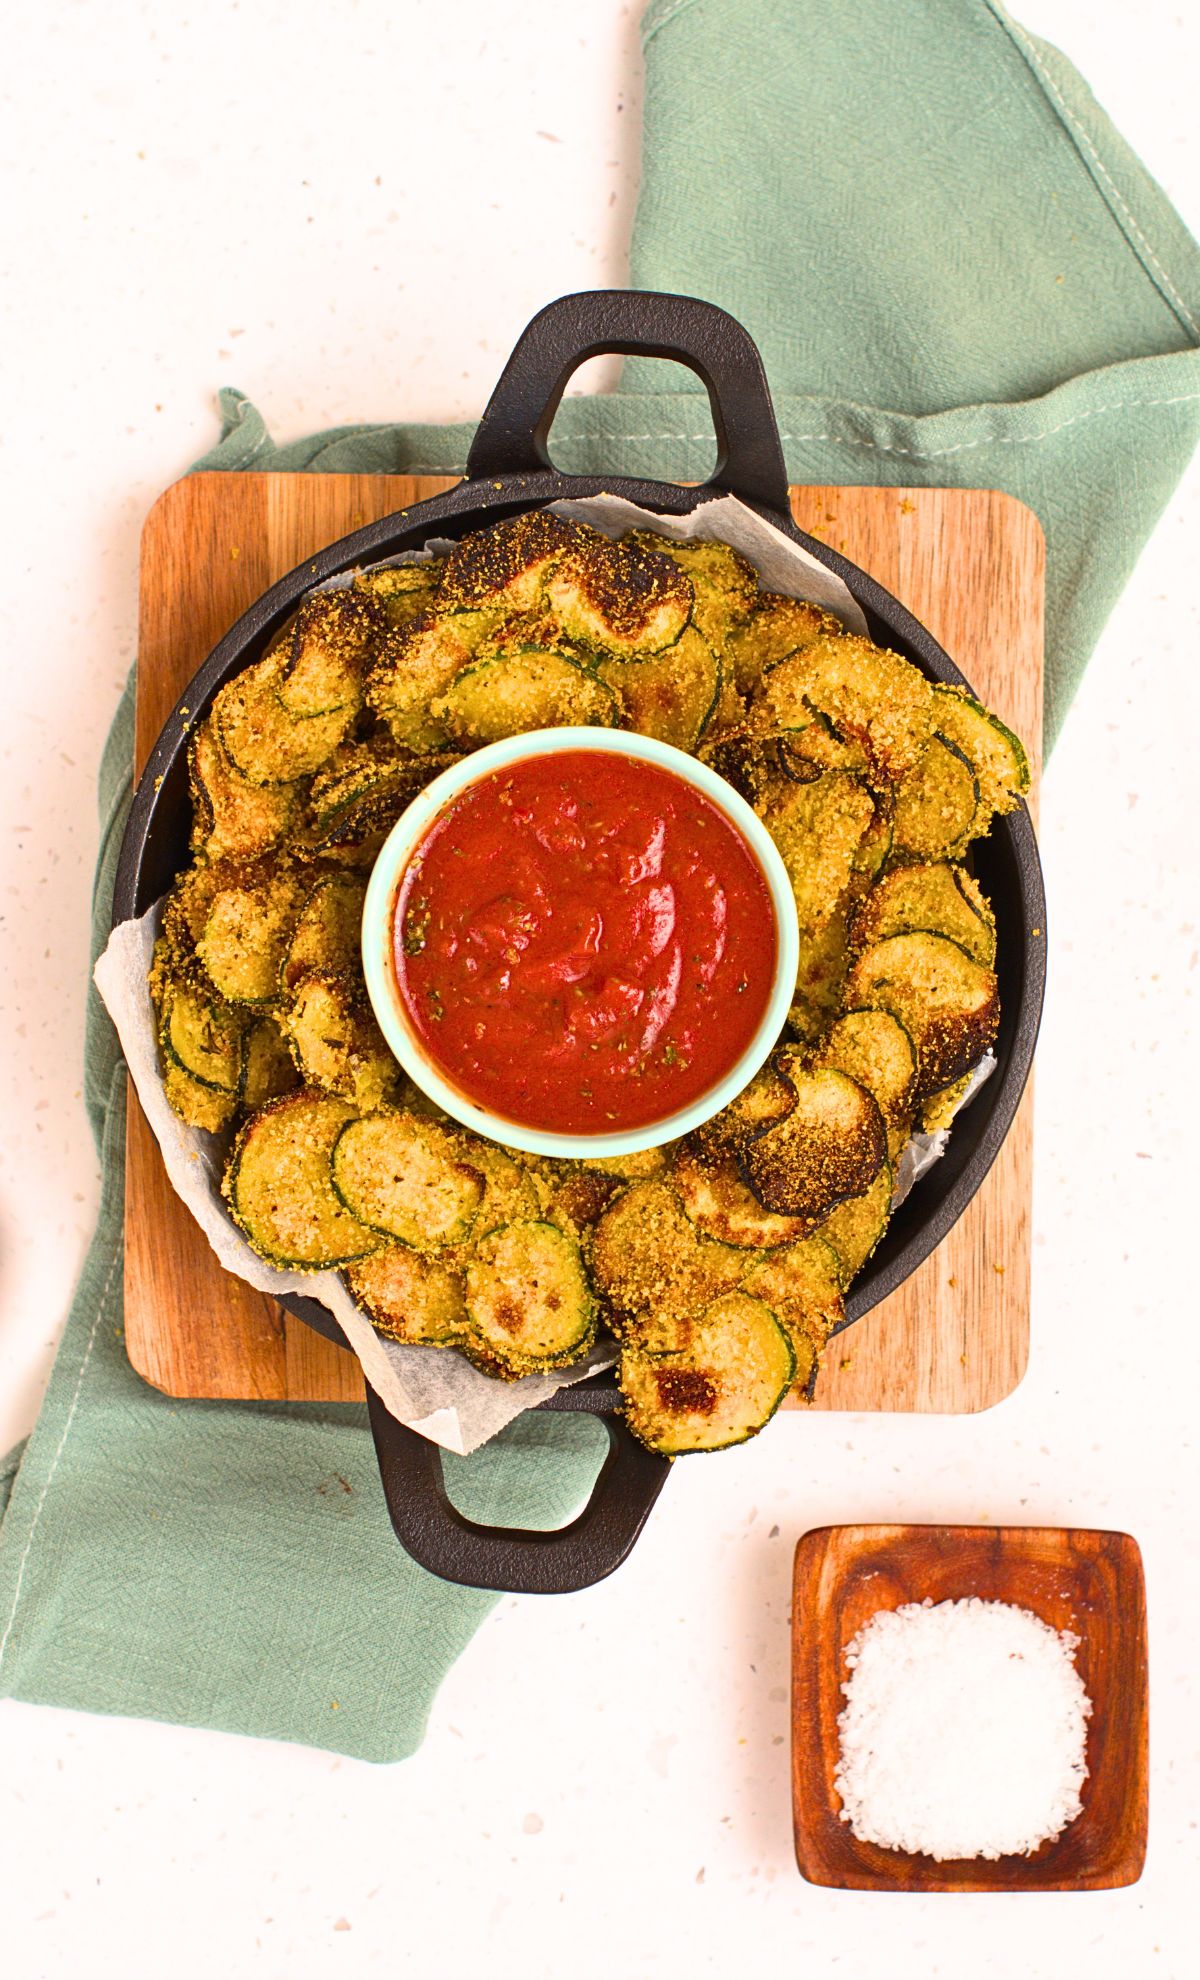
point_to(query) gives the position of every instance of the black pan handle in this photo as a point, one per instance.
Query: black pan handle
(512, 435)
(512, 1559)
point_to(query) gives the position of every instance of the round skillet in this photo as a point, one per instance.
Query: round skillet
(509, 471)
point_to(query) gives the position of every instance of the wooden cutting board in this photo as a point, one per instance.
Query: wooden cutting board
(955, 1337)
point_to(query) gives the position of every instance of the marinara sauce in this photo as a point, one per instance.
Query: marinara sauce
(584, 943)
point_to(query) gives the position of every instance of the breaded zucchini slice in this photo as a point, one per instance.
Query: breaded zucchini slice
(937, 804)
(830, 1146)
(718, 1390)
(278, 1187)
(187, 905)
(529, 1304)
(854, 1229)
(366, 777)
(333, 639)
(776, 627)
(803, 1286)
(937, 896)
(804, 752)
(232, 817)
(536, 689)
(617, 599)
(577, 1202)
(247, 931)
(406, 1178)
(948, 1003)
(652, 1267)
(410, 1298)
(268, 1071)
(510, 1192)
(336, 1042)
(768, 1097)
(867, 695)
(874, 1048)
(671, 696)
(203, 1036)
(940, 1108)
(997, 756)
(819, 828)
(264, 740)
(197, 1105)
(417, 664)
(327, 936)
(747, 762)
(725, 585)
(504, 568)
(821, 967)
(405, 592)
(720, 1205)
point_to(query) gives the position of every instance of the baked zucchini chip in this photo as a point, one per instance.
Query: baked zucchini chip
(617, 599)
(940, 1108)
(262, 738)
(333, 638)
(819, 828)
(746, 761)
(268, 1071)
(672, 696)
(576, 1203)
(247, 932)
(203, 1036)
(405, 1177)
(409, 1298)
(720, 1205)
(529, 1305)
(197, 1105)
(651, 1266)
(278, 1187)
(830, 1146)
(821, 969)
(327, 937)
(776, 627)
(939, 897)
(995, 754)
(510, 1192)
(404, 592)
(724, 584)
(937, 804)
(416, 664)
(768, 1097)
(232, 817)
(864, 693)
(854, 1229)
(336, 1042)
(504, 568)
(532, 690)
(802, 1284)
(718, 1390)
(948, 1003)
(874, 1048)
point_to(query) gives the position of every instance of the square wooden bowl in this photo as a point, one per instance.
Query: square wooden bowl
(1087, 1582)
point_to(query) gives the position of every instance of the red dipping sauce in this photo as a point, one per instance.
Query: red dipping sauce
(584, 943)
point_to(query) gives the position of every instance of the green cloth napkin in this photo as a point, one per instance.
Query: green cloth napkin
(958, 274)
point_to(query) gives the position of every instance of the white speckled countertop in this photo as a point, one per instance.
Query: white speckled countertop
(183, 211)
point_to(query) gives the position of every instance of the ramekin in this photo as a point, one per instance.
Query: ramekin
(379, 958)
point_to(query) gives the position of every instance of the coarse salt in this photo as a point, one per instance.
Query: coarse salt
(964, 1730)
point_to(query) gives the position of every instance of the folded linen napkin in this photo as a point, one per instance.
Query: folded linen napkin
(958, 275)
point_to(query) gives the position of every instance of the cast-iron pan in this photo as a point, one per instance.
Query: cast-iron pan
(509, 470)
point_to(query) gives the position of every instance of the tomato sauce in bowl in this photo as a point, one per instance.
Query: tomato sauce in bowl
(584, 943)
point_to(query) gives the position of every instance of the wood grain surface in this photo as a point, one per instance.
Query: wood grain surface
(970, 564)
(1088, 1582)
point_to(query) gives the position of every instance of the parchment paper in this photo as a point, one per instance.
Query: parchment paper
(434, 1391)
